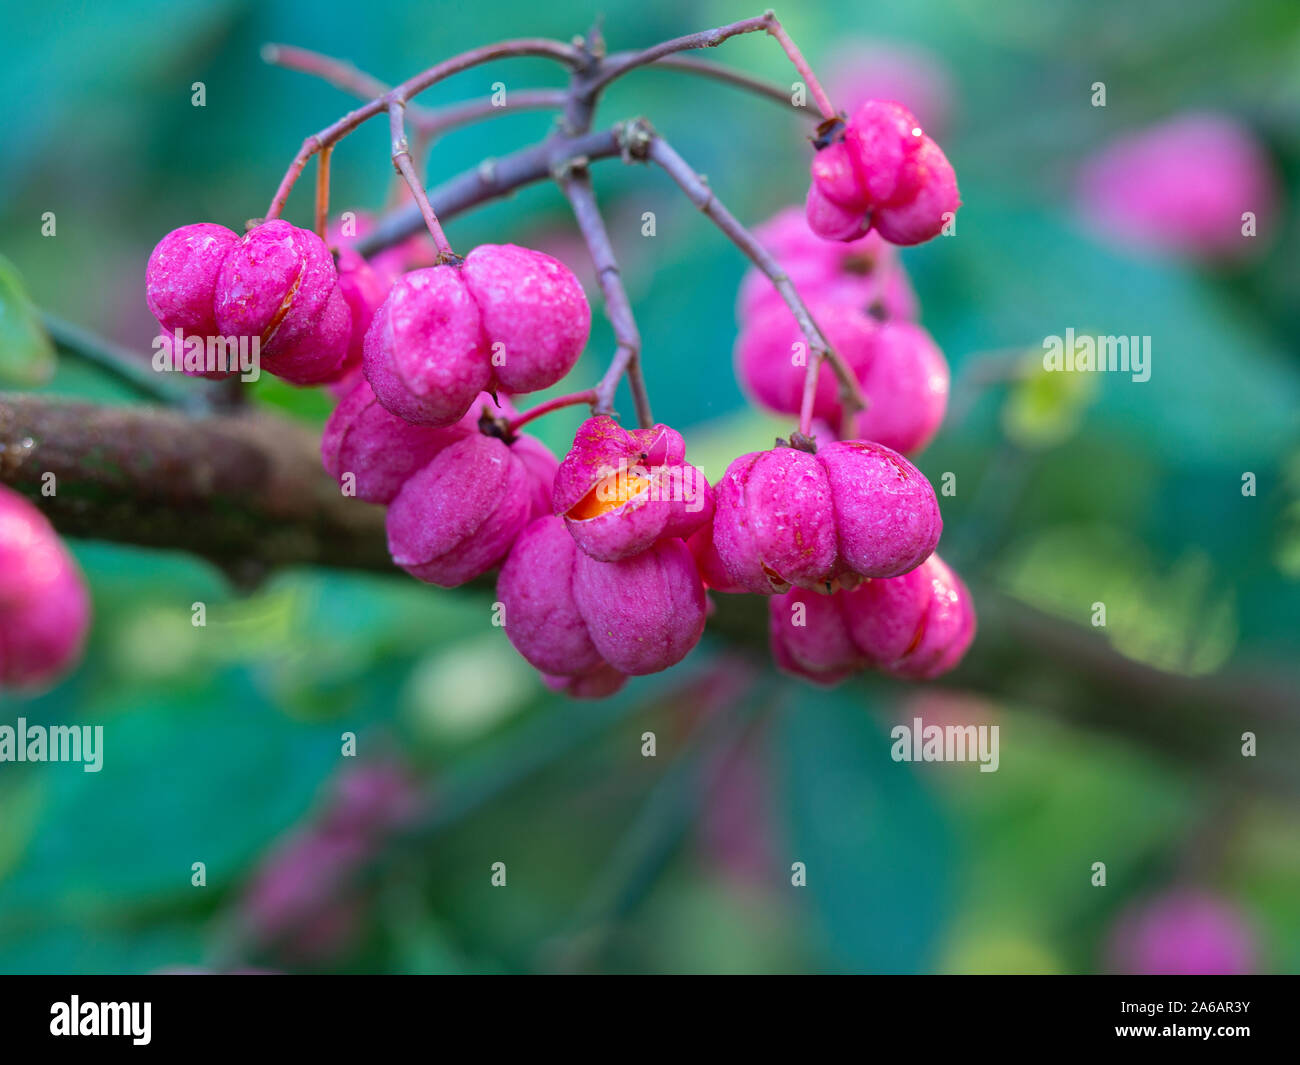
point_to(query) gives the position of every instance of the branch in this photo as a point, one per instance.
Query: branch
(618, 65)
(247, 492)
(403, 93)
(575, 181)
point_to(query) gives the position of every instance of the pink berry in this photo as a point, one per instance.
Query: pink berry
(906, 384)
(915, 626)
(947, 627)
(621, 491)
(865, 273)
(380, 450)
(772, 356)
(774, 525)
(424, 353)
(181, 279)
(279, 284)
(1185, 932)
(534, 313)
(809, 637)
(44, 604)
(571, 616)
(644, 613)
(883, 172)
(457, 517)
(923, 215)
(855, 509)
(1183, 186)
(542, 619)
(886, 513)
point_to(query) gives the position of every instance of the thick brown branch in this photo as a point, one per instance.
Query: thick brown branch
(247, 492)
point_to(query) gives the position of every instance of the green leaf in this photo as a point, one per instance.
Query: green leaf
(26, 354)
(871, 837)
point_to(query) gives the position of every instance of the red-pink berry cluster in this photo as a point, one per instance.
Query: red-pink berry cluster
(605, 557)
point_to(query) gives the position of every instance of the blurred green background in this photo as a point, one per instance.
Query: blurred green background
(222, 742)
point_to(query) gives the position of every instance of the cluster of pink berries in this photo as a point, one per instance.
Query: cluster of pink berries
(44, 604)
(605, 558)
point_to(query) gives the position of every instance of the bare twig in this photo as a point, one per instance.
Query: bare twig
(575, 181)
(618, 65)
(403, 93)
(402, 161)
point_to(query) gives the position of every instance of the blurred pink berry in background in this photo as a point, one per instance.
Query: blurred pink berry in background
(1186, 932)
(44, 602)
(1183, 186)
(867, 69)
(303, 904)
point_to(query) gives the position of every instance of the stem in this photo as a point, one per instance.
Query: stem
(758, 86)
(402, 94)
(570, 400)
(618, 65)
(425, 122)
(402, 161)
(791, 49)
(659, 151)
(323, 191)
(491, 180)
(575, 181)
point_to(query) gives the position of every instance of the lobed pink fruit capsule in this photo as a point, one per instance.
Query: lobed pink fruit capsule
(884, 172)
(1185, 932)
(620, 491)
(771, 356)
(279, 283)
(947, 627)
(181, 278)
(906, 383)
(864, 273)
(534, 313)
(458, 517)
(506, 319)
(424, 353)
(855, 509)
(380, 450)
(573, 616)
(774, 522)
(44, 603)
(916, 626)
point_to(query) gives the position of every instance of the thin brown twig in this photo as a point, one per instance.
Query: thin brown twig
(575, 181)
(403, 93)
(402, 161)
(698, 192)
